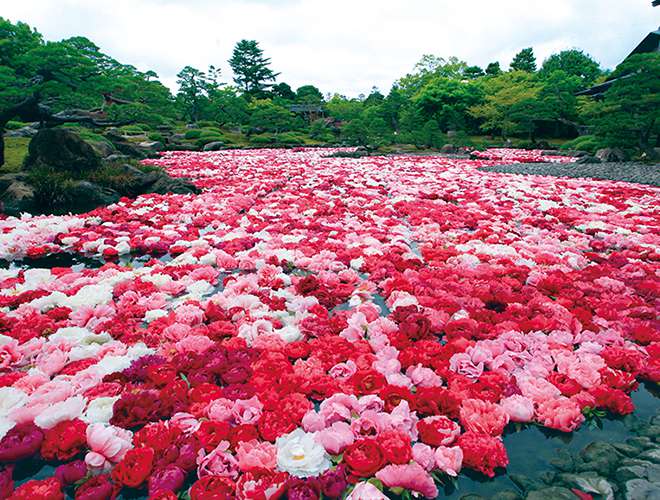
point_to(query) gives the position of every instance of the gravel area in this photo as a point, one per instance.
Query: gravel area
(640, 173)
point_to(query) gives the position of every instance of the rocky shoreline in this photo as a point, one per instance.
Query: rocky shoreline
(640, 173)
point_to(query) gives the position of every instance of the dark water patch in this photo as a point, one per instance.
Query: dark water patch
(64, 259)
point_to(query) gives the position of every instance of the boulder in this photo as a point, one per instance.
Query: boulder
(17, 196)
(87, 196)
(587, 159)
(214, 146)
(611, 155)
(449, 149)
(640, 489)
(27, 131)
(555, 492)
(103, 148)
(61, 149)
(600, 457)
(152, 146)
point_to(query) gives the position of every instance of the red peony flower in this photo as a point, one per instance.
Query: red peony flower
(213, 488)
(364, 458)
(22, 441)
(64, 441)
(482, 452)
(135, 467)
(44, 489)
(396, 447)
(367, 382)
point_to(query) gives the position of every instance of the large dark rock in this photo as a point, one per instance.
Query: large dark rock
(87, 196)
(17, 195)
(449, 149)
(214, 146)
(610, 154)
(61, 149)
(27, 131)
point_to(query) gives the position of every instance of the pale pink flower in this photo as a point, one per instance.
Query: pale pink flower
(107, 444)
(449, 459)
(336, 437)
(343, 371)
(218, 462)
(483, 417)
(220, 410)
(424, 455)
(256, 456)
(560, 413)
(411, 477)
(519, 408)
(247, 411)
(366, 491)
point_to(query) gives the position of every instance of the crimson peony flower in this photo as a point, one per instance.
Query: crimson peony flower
(213, 488)
(364, 458)
(482, 452)
(134, 468)
(96, 488)
(65, 440)
(22, 441)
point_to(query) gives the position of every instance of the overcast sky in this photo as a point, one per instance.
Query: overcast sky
(339, 45)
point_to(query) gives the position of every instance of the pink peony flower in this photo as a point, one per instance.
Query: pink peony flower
(336, 437)
(449, 460)
(519, 408)
(108, 445)
(483, 417)
(256, 456)
(560, 413)
(424, 455)
(410, 476)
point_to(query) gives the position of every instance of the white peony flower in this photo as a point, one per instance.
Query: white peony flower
(289, 333)
(59, 412)
(11, 399)
(300, 455)
(99, 410)
(5, 426)
(153, 314)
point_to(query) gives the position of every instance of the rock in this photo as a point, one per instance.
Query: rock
(448, 149)
(152, 146)
(640, 489)
(600, 457)
(61, 149)
(610, 154)
(117, 157)
(626, 449)
(641, 443)
(103, 148)
(652, 432)
(87, 196)
(589, 483)
(451, 133)
(651, 456)
(472, 496)
(554, 493)
(643, 470)
(525, 483)
(27, 131)
(506, 495)
(214, 146)
(587, 159)
(17, 195)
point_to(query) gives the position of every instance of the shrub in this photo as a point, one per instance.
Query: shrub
(52, 188)
(193, 134)
(207, 124)
(132, 129)
(14, 125)
(205, 139)
(262, 139)
(156, 136)
(290, 138)
(589, 143)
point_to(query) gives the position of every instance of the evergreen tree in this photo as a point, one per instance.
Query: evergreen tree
(252, 73)
(473, 72)
(194, 86)
(525, 60)
(493, 69)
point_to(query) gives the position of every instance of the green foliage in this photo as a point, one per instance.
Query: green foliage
(628, 115)
(525, 60)
(262, 139)
(193, 134)
(14, 125)
(283, 91)
(52, 188)
(493, 69)
(309, 94)
(16, 149)
(291, 139)
(448, 101)
(589, 143)
(573, 62)
(252, 73)
(270, 117)
(195, 86)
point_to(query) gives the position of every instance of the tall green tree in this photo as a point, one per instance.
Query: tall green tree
(525, 60)
(194, 88)
(252, 73)
(448, 102)
(628, 115)
(493, 69)
(309, 94)
(573, 62)
(284, 91)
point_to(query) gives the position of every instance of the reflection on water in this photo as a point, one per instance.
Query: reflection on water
(531, 449)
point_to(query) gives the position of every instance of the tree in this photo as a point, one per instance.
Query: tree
(525, 60)
(252, 73)
(493, 69)
(628, 115)
(429, 67)
(228, 107)
(514, 90)
(448, 102)
(343, 109)
(573, 62)
(472, 72)
(269, 117)
(283, 91)
(194, 88)
(309, 94)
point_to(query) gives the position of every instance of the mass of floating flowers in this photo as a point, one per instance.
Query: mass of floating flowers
(315, 326)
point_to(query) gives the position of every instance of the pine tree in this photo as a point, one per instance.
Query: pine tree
(525, 60)
(251, 69)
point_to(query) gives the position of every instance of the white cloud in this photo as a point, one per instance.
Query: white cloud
(343, 45)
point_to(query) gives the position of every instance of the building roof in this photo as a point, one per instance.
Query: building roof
(651, 43)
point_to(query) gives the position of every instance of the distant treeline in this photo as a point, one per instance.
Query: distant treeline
(526, 101)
